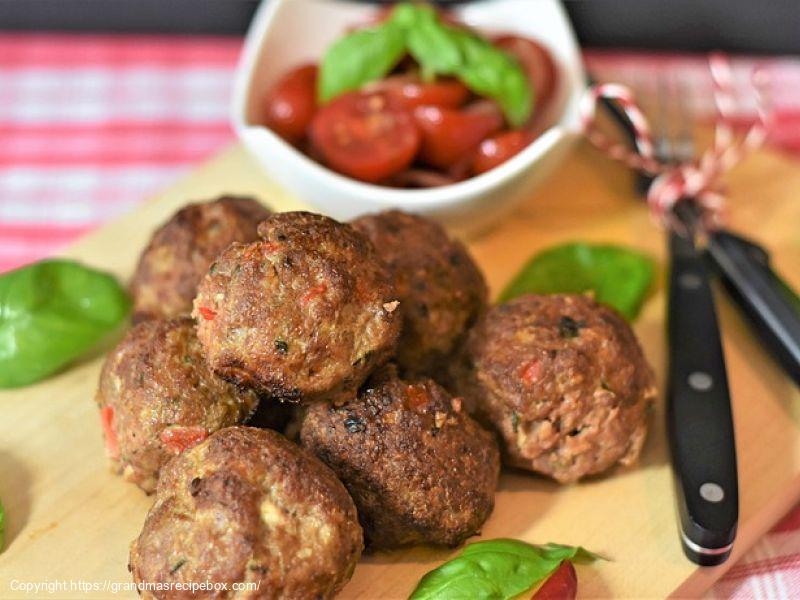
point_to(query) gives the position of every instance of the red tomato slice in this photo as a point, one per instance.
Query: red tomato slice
(449, 136)
(538, 65)
(109, 433)
(291, 103)
(498, 149)
(561, 585)
(411, 92)
(365, 135)
(178, 438)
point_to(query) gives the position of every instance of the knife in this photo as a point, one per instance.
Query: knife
(770, 305)
(699, 419)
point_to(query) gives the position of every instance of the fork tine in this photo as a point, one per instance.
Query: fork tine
(662, 134)
(683, 146)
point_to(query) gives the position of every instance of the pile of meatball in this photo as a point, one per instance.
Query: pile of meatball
(295, 388)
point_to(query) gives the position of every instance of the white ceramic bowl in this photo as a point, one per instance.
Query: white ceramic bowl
(287, 33)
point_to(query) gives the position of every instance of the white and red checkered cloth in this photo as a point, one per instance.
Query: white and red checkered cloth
(91, 125)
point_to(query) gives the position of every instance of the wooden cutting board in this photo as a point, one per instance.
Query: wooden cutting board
(70, 519)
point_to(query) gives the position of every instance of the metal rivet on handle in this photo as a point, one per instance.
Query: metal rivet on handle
(690, 281)
(700, 381)
(712, 492)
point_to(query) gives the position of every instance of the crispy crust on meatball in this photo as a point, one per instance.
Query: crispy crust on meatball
(181, 250)
(441, 290)
(564, 382)
(247, 505)
(157, 396)
(305, 313)
(418, 467)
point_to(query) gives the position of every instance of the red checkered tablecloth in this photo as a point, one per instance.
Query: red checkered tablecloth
(91, 125)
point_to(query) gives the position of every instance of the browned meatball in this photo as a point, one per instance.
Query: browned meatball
(181, 250)
(564, 382)
(157, 396)
(248, 506)
(305, 313)
(418, 467)
(441, 290)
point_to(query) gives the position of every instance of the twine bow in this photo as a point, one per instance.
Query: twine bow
(698, 179)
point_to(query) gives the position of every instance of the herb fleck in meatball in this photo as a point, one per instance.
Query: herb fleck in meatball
(418, 467)
(181, 250)
(564, 382)
(157, 397)
(249, 506)
(441, 290)
(305, 313)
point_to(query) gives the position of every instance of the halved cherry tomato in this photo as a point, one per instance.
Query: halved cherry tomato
(178, 438)
(109, 433)
(561, 585)
(538, 65)
(449, 136)
(498, 149)
(365, 135)
(410, 91)
(291, 103)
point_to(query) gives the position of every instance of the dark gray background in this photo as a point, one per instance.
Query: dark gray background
(761, 26)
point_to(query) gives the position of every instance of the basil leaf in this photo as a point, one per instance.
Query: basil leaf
(496, 569)
(432, 45)
(440, 49)
(52, 312)
(488, 71)
(360, 57)
(618, 276)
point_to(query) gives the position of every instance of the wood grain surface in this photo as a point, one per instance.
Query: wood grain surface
(71, 520)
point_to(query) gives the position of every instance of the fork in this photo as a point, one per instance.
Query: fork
(699, 419)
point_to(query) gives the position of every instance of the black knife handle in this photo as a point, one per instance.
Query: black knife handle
(745, 271)
(699, 420)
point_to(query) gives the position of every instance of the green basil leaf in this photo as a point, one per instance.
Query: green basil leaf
(360, 57)
(440, 49)
(618, 276)
(52, 312)
(432, 45)
(488, 71)
(491, 72)
(496, 569)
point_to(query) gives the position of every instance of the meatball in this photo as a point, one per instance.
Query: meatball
(441, 290)
(248, 506)
(157, 397)
(564, 382)
(303, 314)
(418, 467)
(181, 250)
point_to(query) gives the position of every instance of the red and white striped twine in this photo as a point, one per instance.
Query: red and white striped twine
(698, 179)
